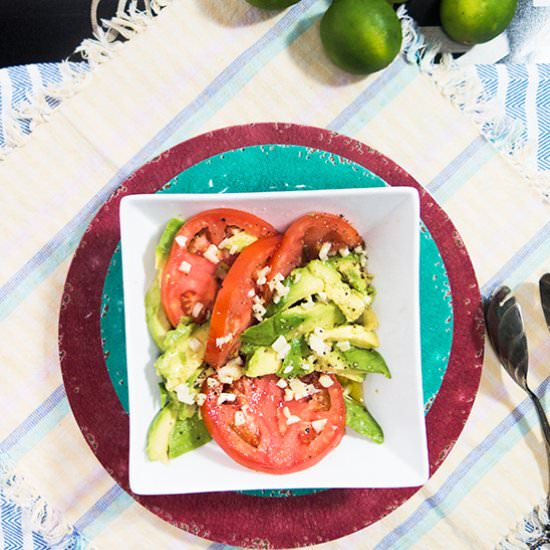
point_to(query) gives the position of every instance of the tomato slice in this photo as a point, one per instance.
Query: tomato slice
(260, 430)
(190, 280)
(304, 238)
(232, 312)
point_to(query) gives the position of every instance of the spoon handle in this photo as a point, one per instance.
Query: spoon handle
(545, 431)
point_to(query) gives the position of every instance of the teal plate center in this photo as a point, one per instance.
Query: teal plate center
(288, 168)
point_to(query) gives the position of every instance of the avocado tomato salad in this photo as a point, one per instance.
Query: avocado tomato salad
(265, 339)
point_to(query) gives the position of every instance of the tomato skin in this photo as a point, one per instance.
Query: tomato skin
(232, 311)
(180, 292)
(304, 237)
(266, 442)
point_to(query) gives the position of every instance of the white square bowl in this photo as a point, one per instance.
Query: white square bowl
(388, 220)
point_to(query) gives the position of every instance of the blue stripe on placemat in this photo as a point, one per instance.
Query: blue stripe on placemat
(108, 507)
(543, 113)
(367, 95)
(34, 418)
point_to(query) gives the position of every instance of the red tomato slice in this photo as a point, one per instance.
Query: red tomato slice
(303, 239)
(232, 312)
(255, 431)
(192, 293)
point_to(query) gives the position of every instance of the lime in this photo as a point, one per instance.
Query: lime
(361, 36)
(272, 4)
(476, 21)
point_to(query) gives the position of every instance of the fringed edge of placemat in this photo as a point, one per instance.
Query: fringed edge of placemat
(531, 532)
(463, 88)
(108, 37)
(40, 516)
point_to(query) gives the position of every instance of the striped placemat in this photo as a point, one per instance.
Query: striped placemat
(157, 90)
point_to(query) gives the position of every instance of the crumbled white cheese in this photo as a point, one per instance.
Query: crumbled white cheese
(290, 418)
(359, 250)
(223, 340)
(287, 369)
(289, 394)
(212, 382)
(282, 383)
(197, 308)
(258, 308)
(322, 296)
(309, 303)
(326, 381)
(344, 251)
(200, 399)
(181, 241)
(325, 249)
(185, 267)
(239, 419)
(194, 344)
(223, 397)
(363, 261)
(281, 291)
(236, 361)
(184, 394)
(343, 346)
(230, 372)
(212, 254)
(281, 346)
(251, 293)
(318, 345)
(277, 278)
(302, 390)
(262, 275)
(318, 425)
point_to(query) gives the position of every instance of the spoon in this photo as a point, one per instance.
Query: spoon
(507, 336)
(544, 288)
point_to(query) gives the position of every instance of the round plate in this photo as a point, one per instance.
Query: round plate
(230, 517)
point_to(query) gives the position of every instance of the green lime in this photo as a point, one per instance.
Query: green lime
(361, 36)
(476, 21)
(272, 4)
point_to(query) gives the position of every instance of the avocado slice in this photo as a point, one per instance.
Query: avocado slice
(361, 421)
(301, 285)
(293, 322)
(180, 361)
(263, 361)
(335, 363)
(187, 434)
(158, 435)
(157, 322)
(354, 334)
(238, 242)
(370, 320)
(350, 268)
(349, 300)
(365, 360)
(293, 362)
